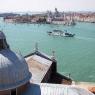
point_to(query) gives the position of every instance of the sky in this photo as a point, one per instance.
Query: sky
(44, 5)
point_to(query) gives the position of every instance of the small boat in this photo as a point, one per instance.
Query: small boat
(60, 33)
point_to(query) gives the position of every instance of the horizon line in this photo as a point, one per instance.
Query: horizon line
(44, 11)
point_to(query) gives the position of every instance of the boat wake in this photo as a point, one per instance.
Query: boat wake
(85, 38)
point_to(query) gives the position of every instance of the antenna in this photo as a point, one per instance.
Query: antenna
(19, 52)
(36, 46)
(53, 54)
(69, 75)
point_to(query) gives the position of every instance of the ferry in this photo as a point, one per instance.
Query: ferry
(60, 33)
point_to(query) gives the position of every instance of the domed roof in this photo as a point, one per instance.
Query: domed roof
(14, 70)
(2, 36)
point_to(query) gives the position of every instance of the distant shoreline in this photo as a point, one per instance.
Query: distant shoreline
(49, 17)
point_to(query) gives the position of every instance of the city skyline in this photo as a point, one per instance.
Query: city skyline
(44, 5)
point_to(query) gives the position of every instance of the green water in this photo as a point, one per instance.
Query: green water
(74, 55)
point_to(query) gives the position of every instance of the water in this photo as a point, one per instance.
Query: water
(74, 55)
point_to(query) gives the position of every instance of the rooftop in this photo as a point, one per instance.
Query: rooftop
(55, 89)
(13, 70)
(38, 66)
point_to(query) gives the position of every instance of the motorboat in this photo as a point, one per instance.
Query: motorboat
(60, 33)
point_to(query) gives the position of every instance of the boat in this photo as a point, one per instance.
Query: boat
(60, 33)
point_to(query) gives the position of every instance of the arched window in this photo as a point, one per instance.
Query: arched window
(3, 44)
(13, 92)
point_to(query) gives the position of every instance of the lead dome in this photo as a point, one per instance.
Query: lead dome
(14, 70)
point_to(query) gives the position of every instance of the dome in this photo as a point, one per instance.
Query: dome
(2, 36)
(14, 70)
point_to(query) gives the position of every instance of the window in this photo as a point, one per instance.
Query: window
(1, 44)
(13, 92)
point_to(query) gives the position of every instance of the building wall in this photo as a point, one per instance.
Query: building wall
(19, 90)
(52, 70)
(47, 77)
(22, 88)
(6, 92)
(52, 76)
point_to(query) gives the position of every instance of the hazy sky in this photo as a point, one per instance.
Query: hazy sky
(43, 5)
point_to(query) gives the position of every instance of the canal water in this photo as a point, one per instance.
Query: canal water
(75, 56)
